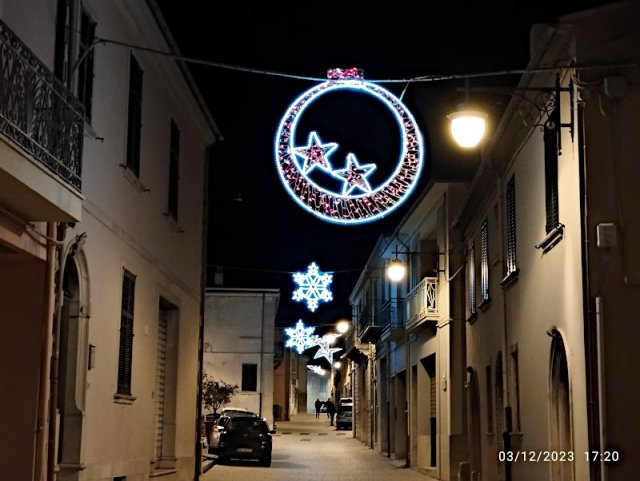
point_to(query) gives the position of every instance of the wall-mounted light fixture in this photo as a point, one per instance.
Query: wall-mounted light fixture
(468, 123)
(397, 269)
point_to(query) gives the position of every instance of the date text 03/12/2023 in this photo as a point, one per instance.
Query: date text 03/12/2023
(557, 456)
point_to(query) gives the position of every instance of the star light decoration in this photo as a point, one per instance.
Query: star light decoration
(313, 286)
(325, 350)
(317, 369)
(300, 337)
(357, 201)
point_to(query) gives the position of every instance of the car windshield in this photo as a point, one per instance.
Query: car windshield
(345, 408)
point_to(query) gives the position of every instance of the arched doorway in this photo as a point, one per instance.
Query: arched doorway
(72, 368)
(560, 409)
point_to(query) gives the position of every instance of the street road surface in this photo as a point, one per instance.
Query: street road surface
(308, 449)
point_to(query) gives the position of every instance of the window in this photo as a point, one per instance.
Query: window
(551, 132)
(85, 69)
(471, 280)
(174, 163)
(249, 377)
(134, 120)
(484, 262)
(126, 333)
(510, 198)
(62, 46)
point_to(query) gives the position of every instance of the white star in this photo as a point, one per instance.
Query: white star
(300, 337)
(313, 287)
(315, 153)
(325, 350)
(355, 175)
(317, 369)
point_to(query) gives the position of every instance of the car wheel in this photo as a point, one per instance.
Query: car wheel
(266, 462)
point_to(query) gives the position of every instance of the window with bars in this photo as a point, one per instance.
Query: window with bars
(174, 170)
(85, 68)
(510, 199)
(471, 279)
(484, 262)
(126, 333)
(551, 171)
(134, 116)
(249, 377)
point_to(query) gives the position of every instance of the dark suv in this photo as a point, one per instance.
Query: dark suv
(241, 436)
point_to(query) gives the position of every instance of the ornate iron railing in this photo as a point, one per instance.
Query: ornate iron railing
(422, 301)
(37, 112)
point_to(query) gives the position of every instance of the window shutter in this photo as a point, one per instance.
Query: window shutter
(551, 172)
(511, 226)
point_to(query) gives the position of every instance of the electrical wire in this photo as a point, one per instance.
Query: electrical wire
(280, 272)
(421, 78)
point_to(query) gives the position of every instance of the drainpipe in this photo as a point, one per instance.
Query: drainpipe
(53, 373)
(591, 338)
(261, 357)
(203, 287)
(45, 356)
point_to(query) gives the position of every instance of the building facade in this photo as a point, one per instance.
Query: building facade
(239, 340)
(534, 285)
(104, 151)
(408, 375)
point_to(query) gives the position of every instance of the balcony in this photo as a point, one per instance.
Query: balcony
(393, 319)
(41, 133)
(422, 302)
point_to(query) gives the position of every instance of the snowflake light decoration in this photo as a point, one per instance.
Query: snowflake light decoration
(317, 369)
(300, 337)
(324, 349)
(357, 201)
(313, 287)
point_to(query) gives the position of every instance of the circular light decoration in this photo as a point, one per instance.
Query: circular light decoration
(358, 201)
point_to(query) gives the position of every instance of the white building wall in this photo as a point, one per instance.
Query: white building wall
(239, 329)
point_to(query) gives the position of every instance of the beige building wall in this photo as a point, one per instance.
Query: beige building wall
(123, 220)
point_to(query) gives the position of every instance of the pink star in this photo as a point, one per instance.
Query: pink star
(315, 153)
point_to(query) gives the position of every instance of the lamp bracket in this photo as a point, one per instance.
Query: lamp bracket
(545, 102)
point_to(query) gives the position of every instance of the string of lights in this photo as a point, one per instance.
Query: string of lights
(417, 79)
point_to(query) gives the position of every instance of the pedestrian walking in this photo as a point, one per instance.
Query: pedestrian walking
(331, 411)
(318, 406)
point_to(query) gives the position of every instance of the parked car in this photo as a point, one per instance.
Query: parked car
(344, 416)
(241, 436)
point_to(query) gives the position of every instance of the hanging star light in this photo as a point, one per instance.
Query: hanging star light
(313, 287)
(300, 337)
(357, 201)
(324, 349)
(317, 369)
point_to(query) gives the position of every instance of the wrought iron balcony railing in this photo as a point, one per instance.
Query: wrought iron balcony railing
(393, 313)
(422, 302)
(37, 112)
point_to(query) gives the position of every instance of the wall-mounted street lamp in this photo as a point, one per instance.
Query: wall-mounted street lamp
(397, 269)
(468, 123)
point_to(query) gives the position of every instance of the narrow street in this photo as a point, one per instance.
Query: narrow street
(309, 449)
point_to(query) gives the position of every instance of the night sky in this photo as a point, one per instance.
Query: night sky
(263, 238)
